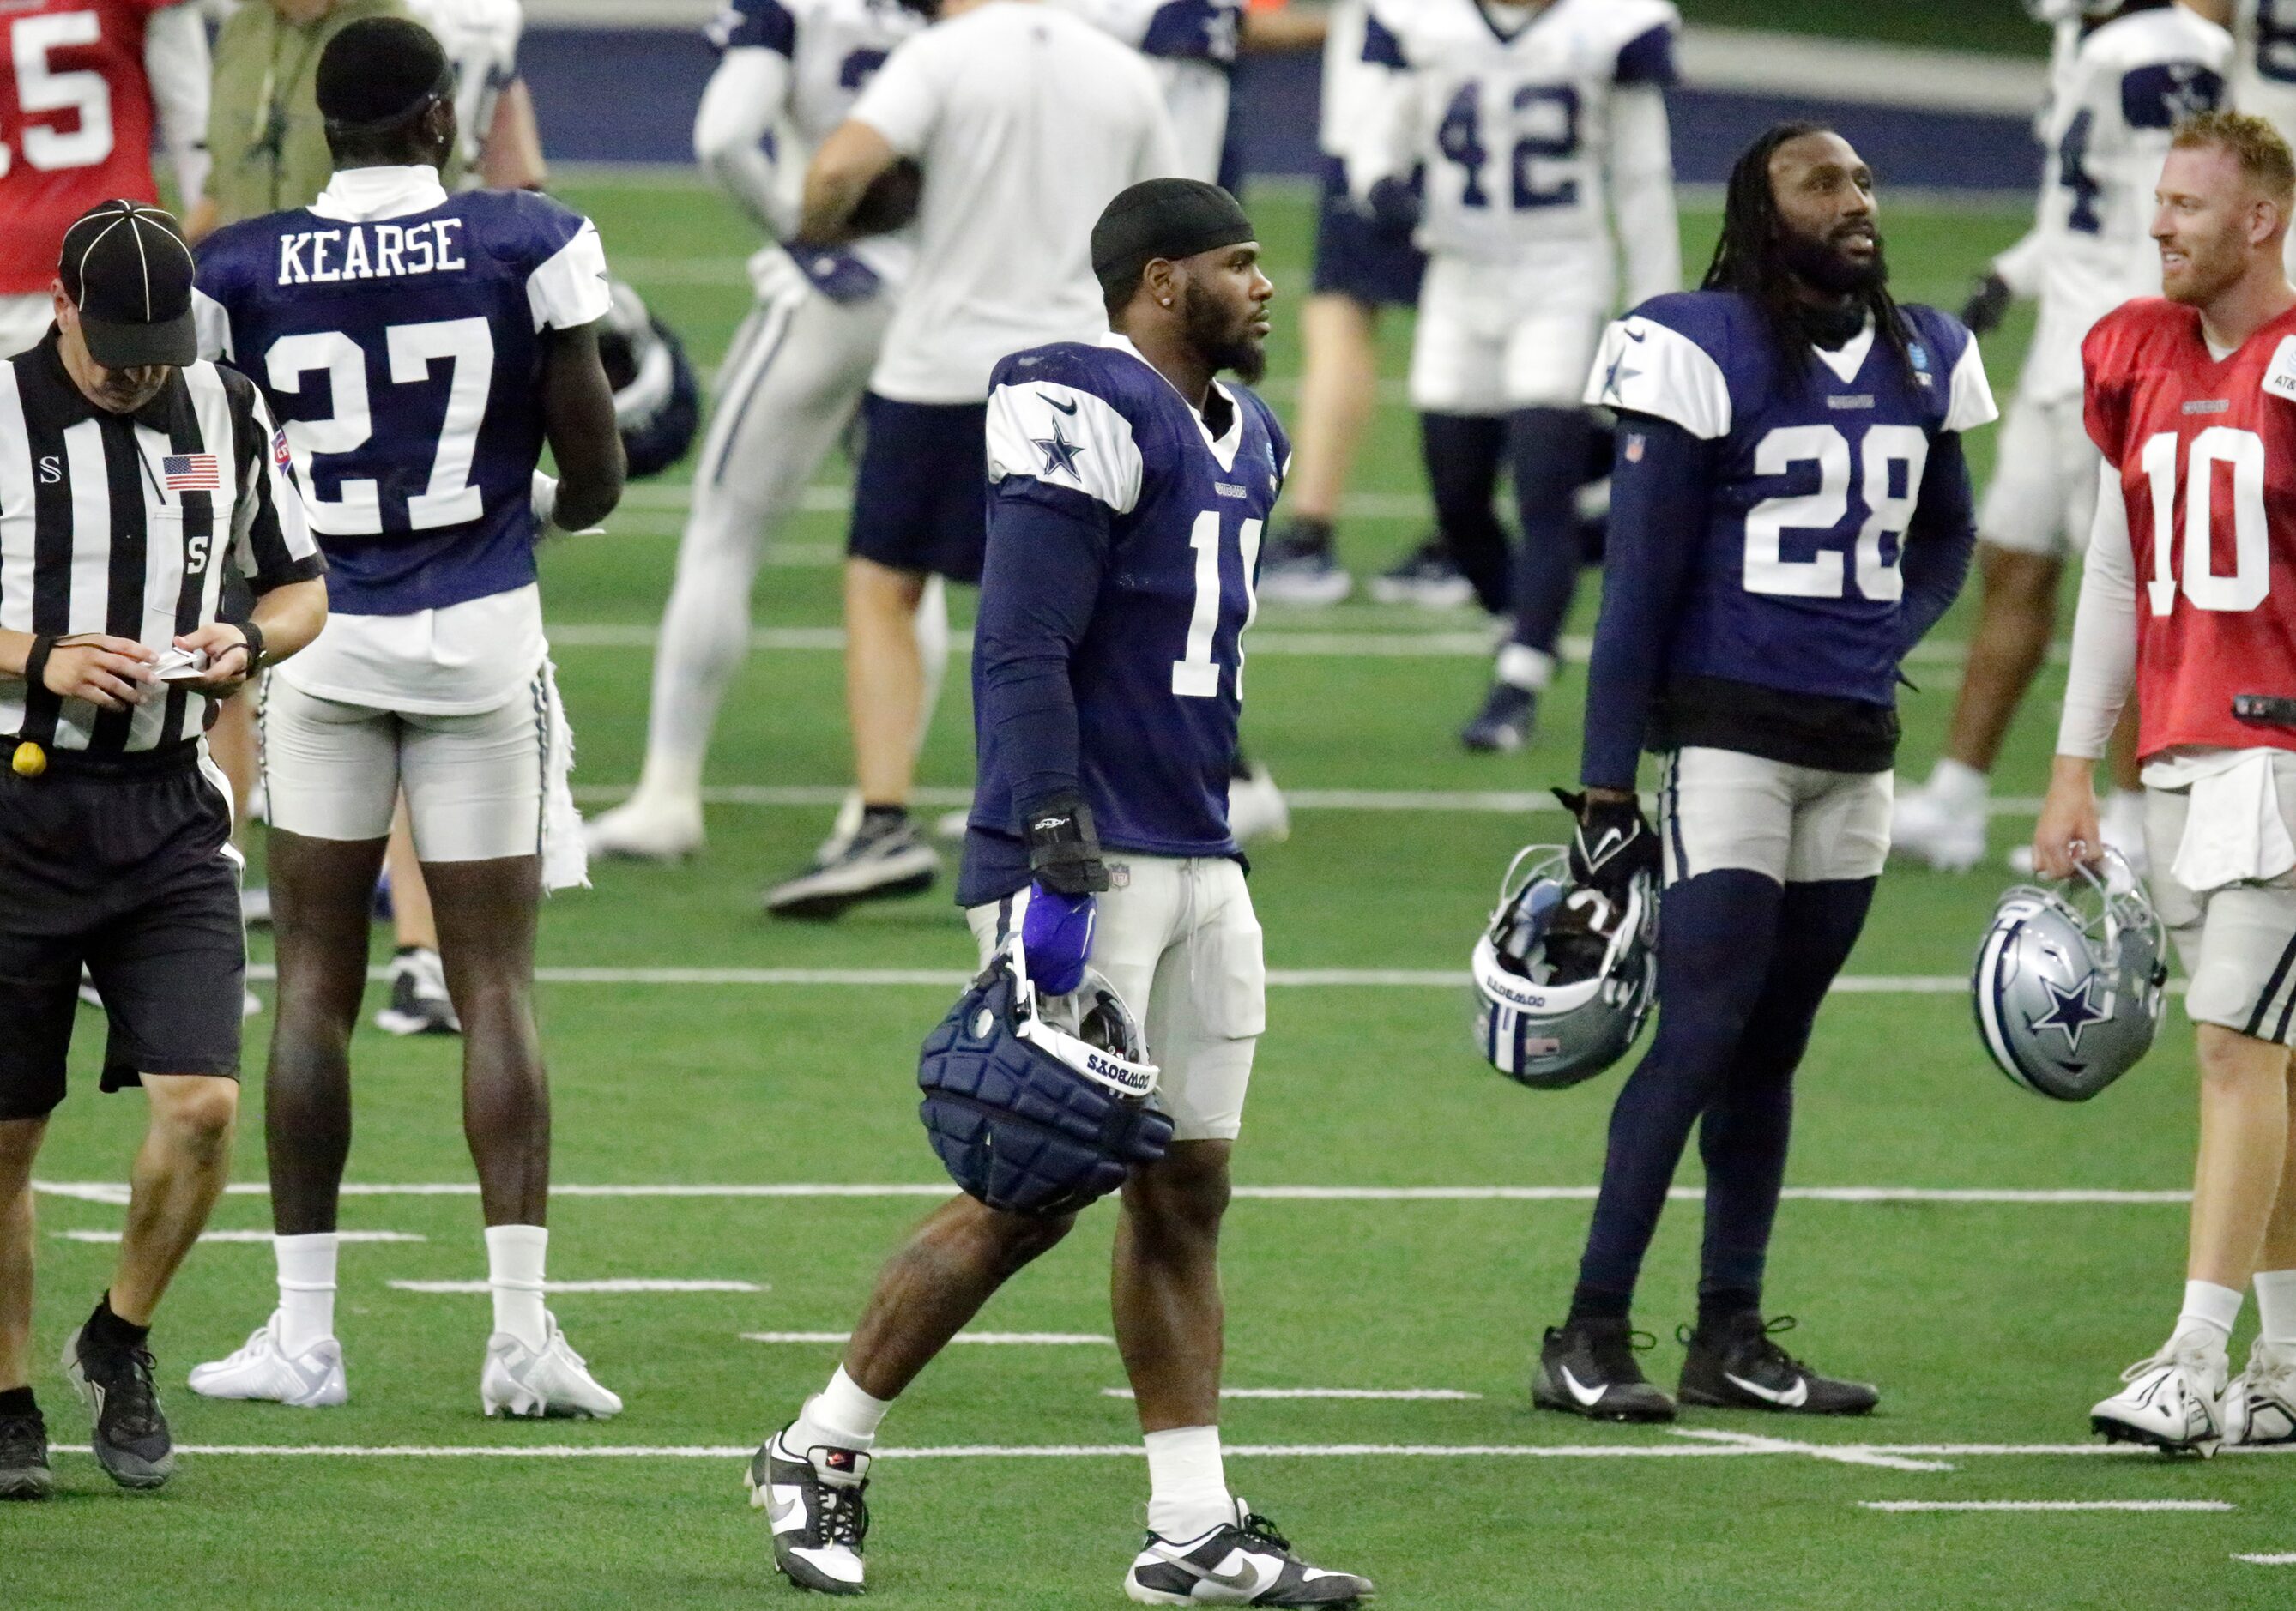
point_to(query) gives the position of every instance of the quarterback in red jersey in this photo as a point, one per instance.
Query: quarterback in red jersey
(82, 85)
(2190, 594)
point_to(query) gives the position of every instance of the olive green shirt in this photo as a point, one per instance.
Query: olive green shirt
(264, 127)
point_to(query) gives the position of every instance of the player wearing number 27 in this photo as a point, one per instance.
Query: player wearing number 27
(2190, 597)
(1790, 514)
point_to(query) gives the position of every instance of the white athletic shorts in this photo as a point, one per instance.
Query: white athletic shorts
(475, 784)
(2043, 496)
(1179, 941)
(1494, 338)
(23, 320)
(2238, 943)
(1722, 808)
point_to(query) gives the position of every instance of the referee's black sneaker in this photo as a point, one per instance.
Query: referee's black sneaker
(1734, 1365)
(24, 1454)
(885, 859)
(1587, 1367)
(111, 1369)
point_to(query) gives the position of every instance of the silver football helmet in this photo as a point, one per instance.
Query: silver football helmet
(1565, 977)
(2068, 996)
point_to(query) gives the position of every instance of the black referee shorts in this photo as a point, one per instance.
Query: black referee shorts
(125, 865)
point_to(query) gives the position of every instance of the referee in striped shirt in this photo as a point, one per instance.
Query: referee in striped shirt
(132, 479)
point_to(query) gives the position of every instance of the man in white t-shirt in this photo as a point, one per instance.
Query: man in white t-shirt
(1025, 121)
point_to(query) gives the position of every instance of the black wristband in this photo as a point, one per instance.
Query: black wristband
(36, 661)
(1064, 849)
(254, 635)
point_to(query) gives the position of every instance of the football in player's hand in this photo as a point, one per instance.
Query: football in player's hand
(891, 199)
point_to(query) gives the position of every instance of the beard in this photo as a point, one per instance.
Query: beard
(1822, 265)
(1224, 339)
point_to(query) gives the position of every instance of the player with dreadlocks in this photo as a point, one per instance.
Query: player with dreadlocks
(1790, 514)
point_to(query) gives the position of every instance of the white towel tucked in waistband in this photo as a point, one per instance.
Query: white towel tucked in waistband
(565, 856)
(2234, 832)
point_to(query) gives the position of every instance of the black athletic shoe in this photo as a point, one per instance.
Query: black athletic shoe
(1503, 726)
(1427, 576)
(24, 1458)
(1587, 1367)
(130, 1433)
(813, 1501)
(1246, 1562)
(1299, 567)
(881, 862)
(1737, 1367)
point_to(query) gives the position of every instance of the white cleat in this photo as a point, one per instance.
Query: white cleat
(1256, 808)
(2259, 1405)
(643, 829)
(2174, 1401)
(555, 1383)
(1947, 835)
(263, 1370)
(1246, 1562)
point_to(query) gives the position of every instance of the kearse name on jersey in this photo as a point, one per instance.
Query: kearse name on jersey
(370, 251)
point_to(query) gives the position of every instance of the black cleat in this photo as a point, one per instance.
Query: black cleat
(419, 1003)
(1246, 1562)
(880, 862)
(1427, 576)
(130, 1434)
(24, 1471)
(814, 1501)
(1299, 567)
(1503, 726)
(1738, 1366)
(1587, 1367)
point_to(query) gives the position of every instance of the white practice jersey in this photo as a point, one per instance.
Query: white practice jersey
(2109, 121)
(481, 37)
(2264, 63)
(1192, 45)
(1529, 134)
(1027, 121)
(790, 72)
(1352, 86)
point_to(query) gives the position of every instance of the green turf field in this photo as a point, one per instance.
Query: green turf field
(1992, 1322)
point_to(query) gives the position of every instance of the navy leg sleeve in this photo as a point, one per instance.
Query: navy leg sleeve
(1744, 1136)
(1547, 450)
(1462, 454)
(1716, 933)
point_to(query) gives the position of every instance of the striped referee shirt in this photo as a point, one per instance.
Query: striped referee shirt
(126, 524)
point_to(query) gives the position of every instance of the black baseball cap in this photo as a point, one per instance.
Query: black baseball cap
(126, 269)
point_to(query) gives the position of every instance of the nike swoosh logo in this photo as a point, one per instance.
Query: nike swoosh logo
(1792, 1398)
(1243, 1577)
(1637, 335)
(779, 1512)
(1587, 1397)
(1612, 840)
(1061, 407)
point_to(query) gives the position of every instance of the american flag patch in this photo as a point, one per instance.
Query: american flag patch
(190, 472)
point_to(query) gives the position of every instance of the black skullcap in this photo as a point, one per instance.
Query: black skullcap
(1168, 218)
(378, 72)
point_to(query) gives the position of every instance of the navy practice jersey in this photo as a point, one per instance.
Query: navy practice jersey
(1785, 573)
(404, 356)
(1123, 555)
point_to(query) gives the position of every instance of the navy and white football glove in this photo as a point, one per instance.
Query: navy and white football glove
(835, 272)
(1056, 937)
(1988, 303)
(1056, 929)
(1613, 843)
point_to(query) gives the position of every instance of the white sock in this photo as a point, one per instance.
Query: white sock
(306, 1288)
(705, 636)
(1187, 1485)
(514, 1261)
(841, 1416)
(1961, 784)
(931, 628)
(2210, 1306)
(1523, 666)
(2275, 1307)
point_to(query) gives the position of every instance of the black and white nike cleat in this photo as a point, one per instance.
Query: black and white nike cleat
(1246, 1562)
(1587, 1367)
(819, 1517)
(24, 1471)
(130, 1434)
(881, 862)
(1503, 726)
(2259, 1405)
(1427, 576)
(2174, 1401)
(1737, 1367)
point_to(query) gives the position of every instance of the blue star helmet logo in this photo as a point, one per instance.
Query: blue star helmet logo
(1060, 455)
(2071, 1011)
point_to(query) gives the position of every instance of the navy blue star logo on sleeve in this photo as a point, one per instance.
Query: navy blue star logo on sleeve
(1060, 455)
(1618, 372)
(2071, 1011)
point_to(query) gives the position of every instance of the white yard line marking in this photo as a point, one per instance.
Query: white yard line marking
(994, 1339)
(1902, 1506)
(2268, 1560)
(263, 1237)
(1413, 1393)
(2065, 1195)
(1845, 1454)
(557, 1287)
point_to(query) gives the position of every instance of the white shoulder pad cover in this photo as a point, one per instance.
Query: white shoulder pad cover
(213, 322)
(1064, 436)
(571, 290)
(1969, 403)
(1645, 368)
